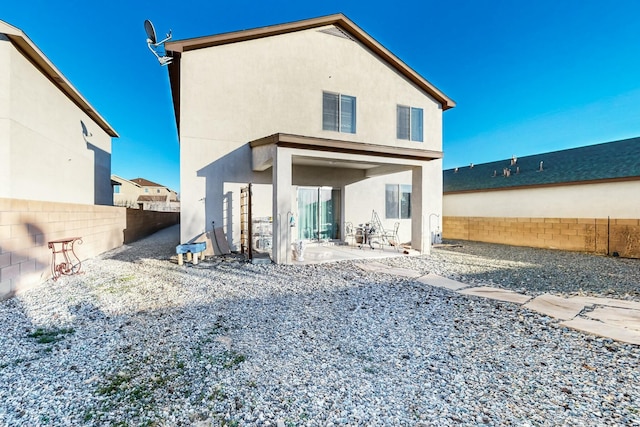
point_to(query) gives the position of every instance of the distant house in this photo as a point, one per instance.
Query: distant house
(144, 194)
(54, 146)
(583, 198)
(324, 122)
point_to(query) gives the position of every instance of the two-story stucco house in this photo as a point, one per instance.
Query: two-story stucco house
(140, 193)
(324, 122)
(54, 146)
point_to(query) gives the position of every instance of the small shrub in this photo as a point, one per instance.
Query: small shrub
(48, 336)
(231, 359)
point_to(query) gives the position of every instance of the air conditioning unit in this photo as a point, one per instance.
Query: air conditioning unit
(436, 238)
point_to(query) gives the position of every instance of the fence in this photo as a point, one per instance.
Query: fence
(26, 226)
(619, 237)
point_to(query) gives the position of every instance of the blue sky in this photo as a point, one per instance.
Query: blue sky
(527, 76)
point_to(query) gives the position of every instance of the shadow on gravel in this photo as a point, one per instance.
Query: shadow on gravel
(321, 342)
(355, 342)
(160, 245)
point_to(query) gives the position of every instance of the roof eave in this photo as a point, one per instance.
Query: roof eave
(350, 147)
(543, 185)
(340, 20)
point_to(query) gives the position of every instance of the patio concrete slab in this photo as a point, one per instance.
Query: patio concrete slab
(442, 282)
(623, 317)
(589, 301)
(319, 253)
(602, 329)
(404, 272)
(497, 294)
(554, 306)
(377, 267)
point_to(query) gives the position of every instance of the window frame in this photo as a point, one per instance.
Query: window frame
(401, 205)
(341, 102)
(414, 131)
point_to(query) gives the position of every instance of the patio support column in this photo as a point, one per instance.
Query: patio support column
(417, 233)
(281, 204)
(426, 203)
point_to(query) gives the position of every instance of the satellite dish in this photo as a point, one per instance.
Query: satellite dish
(151, 32)
(85, 131)
(153, 43)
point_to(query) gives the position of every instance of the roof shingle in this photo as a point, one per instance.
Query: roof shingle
(617, 160)
(145, 182)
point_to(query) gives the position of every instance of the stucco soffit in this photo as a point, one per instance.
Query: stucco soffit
(262, 157)
(338, 146)
(39, 59)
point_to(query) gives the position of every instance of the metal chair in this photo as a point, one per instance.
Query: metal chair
(391, 236)
(349, 233)
(384, 236)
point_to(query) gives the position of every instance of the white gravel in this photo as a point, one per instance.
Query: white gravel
(138, 340)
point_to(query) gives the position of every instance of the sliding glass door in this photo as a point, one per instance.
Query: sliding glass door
(318, 213)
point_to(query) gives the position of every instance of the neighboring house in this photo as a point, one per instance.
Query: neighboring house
(326, 123)
(54, 146)
(583, 198)
(144, 194)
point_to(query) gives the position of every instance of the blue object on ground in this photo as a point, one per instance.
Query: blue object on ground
(191, 247)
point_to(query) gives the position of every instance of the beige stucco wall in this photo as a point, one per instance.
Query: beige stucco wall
(128, 195)
(236, 93)
(614, 200)
(376, 187)
(5, 84)
(48, 157)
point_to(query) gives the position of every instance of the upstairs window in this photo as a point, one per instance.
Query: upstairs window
(338, 112)
(410, 123)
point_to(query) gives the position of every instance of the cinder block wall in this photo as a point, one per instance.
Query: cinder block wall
(595, 235)
(141, 223)
(27, 226)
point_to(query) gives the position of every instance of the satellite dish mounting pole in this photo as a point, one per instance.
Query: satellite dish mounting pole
(153, 43)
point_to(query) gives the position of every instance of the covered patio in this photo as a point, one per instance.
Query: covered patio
(307, 161)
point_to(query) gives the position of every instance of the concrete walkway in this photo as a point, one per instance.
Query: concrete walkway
(605, 317)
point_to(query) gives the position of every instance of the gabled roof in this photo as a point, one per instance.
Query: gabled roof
(121, 180)
(175, 48)
(20, 40)
(607, 162)
(146, 183)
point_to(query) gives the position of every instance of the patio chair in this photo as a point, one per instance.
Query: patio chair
(384, 236)
(349, 233)
(390, 236)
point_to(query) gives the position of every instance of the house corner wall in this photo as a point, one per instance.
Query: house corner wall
(5, 122)
(57, 152)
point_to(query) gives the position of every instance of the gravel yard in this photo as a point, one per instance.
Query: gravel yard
(140, 341)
